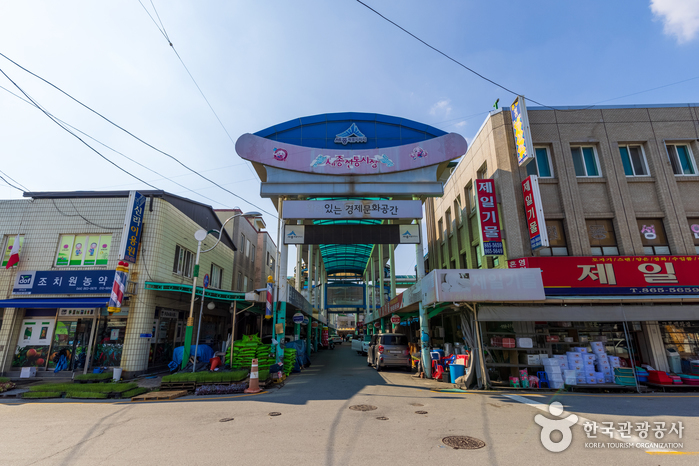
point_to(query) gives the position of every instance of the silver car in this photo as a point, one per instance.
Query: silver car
(388, 350)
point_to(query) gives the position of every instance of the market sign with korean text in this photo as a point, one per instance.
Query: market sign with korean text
(359, 209)
(348, 161)
(522, 132)
(536, 224)
(482, 285)
(615, 275)
(133, 223)
(31, 282)
(491, 237)
(392, 306)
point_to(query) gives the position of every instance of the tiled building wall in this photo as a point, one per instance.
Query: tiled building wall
(613, 195)
(42, 221)
(165, 228)
(243, 264)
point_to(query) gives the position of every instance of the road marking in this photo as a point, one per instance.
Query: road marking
(582, 420)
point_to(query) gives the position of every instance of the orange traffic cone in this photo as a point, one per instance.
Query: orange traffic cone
(215, 362)
(254, 386)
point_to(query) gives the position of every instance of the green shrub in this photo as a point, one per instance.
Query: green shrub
(92, 387)
(89, 395)
(93, 377)
(41, 395)
(206, 377)
(134, 392)
(4, 379)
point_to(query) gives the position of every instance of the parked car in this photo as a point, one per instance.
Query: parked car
(361, 344)
(337, 339)
(389, 350)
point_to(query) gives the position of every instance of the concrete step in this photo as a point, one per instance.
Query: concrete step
(42, 376)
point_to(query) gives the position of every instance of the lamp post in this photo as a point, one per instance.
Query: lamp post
(200, 235)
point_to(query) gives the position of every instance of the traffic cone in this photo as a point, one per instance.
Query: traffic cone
(254, 386)
(215, 362)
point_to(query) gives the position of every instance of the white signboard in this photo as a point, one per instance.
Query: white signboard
(358, 209)
(482, 285)
(409, 234)
(293, 234)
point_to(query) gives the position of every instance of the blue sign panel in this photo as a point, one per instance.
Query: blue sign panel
(206, 280)
(132, 228)
(64, 282)
(493, 248)
(535, 242)
(146, 335)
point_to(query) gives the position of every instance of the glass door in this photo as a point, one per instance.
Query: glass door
(71, 339)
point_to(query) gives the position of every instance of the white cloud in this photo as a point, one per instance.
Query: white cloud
(461, 124)
(680, 17)
(441, 108)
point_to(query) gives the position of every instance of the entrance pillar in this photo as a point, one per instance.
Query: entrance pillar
(283, 293)
(424, 323)
(382, 294)
(392, 265)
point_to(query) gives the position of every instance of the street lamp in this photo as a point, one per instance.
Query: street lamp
(200, 235)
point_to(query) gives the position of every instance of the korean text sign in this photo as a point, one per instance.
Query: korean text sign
(491, 237)
(534, 211)
(616, 275)
(520, 127)
(63, 282)
(133, 224)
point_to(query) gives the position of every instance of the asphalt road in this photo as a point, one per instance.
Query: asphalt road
(316, 426)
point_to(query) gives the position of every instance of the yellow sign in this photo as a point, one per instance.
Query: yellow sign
(8, 249)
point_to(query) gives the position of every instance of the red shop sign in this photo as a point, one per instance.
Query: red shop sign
(533, 208)
(615, 275)
(491, 237)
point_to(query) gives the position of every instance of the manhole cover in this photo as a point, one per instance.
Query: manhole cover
(275, 414)
(460, 442)
(382, 418)
(420, 412)
(226, 419)
(362, 407)
(416, 404)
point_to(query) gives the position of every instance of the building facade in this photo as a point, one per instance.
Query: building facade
(73, 240)
(253, 258)
(618, 185)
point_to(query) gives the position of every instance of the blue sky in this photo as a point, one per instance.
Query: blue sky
(261, 63)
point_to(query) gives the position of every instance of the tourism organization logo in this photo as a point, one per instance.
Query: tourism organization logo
(549, 426)
(350, 136)
(293, 234)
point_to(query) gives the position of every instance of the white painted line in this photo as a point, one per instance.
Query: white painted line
(632, 439)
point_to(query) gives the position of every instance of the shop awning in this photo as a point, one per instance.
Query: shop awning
(36, 303)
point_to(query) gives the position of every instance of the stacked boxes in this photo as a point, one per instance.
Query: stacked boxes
(602, 362)
(575, 362)
(552, 367)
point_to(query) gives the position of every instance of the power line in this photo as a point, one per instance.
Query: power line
(162, 30)
(162, 177)
(71, 133)
(10, 184)
(130, 134)
(18, 183)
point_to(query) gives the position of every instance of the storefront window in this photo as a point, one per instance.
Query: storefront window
(694, 229)
(71, 339)
(557, 239)
(682, 336)
(653, 236)
(33, 342)
(602, 239)
(109, 344)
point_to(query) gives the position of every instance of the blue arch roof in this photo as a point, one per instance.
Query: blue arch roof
(380, 130)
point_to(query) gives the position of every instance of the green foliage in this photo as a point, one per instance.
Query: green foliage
(90, 395)
(91, 388)
(93, 377)
(4, 379)
(134, 392)
(41, 395)
(207, 377)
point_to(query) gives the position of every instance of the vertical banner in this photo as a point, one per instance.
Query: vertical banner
(488, 220)
(536, 224)
(133, 222)
(78, 251)
(523, 135)
(64, 250)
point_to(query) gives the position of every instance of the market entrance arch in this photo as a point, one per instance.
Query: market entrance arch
(348, 188)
